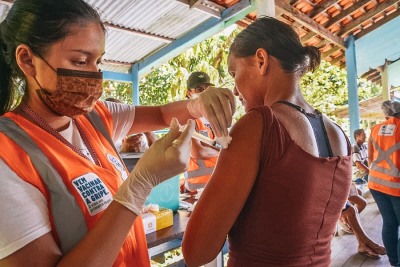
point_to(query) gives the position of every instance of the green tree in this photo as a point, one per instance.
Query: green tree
(168, 82)
(119, 90)
(325, 89)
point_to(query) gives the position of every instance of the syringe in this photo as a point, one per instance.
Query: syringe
(204, 139)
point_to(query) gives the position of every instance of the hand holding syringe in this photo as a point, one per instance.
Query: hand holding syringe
(219, 142)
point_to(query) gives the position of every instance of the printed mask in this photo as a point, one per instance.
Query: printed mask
(76, 92)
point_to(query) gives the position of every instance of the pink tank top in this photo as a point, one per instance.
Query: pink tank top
(290, 216)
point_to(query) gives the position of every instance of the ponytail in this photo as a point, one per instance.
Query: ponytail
(6, 91)
(281, 42)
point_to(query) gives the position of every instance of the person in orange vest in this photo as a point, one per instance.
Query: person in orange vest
(384, 176)
(203, 157)
(66, 197)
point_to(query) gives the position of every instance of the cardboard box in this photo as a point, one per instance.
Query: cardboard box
(156, 220)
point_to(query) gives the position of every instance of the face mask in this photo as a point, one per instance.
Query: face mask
(76, 92)
(194, 96)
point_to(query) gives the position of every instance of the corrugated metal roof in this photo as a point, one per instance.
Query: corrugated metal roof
(137, 28)
(124, 47)
(168, 18)
(160, 22)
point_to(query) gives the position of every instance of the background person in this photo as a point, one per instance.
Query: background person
(279, 189)
(366, 246)
(360, 157)
(203, 157)
(357, 201)
(67, 199)
(384, 178)
(136, 143)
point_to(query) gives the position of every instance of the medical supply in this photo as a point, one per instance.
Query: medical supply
(219, 142)
(156, 220)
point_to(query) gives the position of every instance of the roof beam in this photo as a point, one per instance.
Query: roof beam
(376, 79)
(117, 76)
(346, 12)
(294, 2)
(307, 37)
(206, 6)
(330, 51)
(368, 73)
(322, 7)
(363, 18)
(308, 22)
(336, 60)
(321, 44)
(138, 33)
(207, 29)
(378, 24)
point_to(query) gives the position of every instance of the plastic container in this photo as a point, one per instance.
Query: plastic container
(166, 194)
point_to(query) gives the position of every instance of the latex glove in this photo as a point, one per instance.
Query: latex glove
(165, 158)
(217, 105)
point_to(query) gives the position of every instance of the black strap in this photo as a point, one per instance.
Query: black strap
(318, 113)
(317, 124)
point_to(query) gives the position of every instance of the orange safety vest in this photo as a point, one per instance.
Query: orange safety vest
(83, 190)
(200, 170)
(384, 174)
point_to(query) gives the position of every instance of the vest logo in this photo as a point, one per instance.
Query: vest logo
(118, 165)
(387, 130)
(93, 192)
(204, 132)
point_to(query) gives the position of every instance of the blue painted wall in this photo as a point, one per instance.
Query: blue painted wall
(378, 45)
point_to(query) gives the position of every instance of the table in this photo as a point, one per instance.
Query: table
(168, 238)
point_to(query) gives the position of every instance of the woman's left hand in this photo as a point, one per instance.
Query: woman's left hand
(217, 105)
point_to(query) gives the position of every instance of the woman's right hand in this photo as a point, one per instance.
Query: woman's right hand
(217, 105)
(165, 158)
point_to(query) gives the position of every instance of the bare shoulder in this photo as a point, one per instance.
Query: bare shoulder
(251, 120)
(301, 131)
(337, 138)
(246, 143)
(247, 131)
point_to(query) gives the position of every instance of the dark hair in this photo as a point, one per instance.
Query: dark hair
(358, 132)
(280, 41)
(38, 24)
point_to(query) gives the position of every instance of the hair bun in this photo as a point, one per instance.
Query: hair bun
(314, 56)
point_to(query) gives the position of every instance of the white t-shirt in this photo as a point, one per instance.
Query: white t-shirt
(360, 153)
(25, 207)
